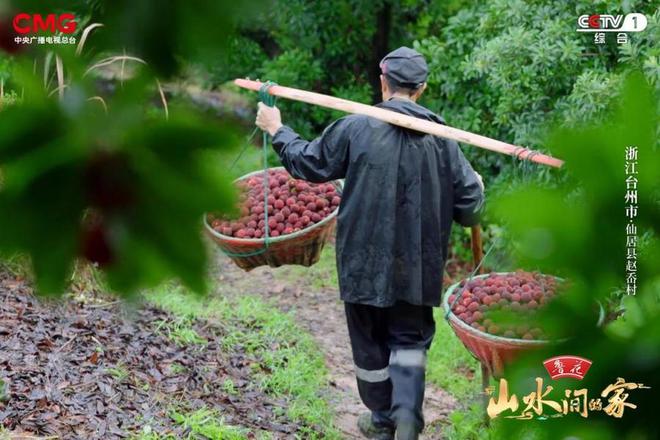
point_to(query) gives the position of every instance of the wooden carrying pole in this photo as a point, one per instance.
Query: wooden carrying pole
(402, 120)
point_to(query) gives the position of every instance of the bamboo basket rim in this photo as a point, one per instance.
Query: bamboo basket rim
(476, 332)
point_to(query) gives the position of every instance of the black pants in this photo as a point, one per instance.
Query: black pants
(389, 350)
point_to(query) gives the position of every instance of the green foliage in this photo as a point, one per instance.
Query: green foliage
(508, 69)
(243, 56)
(3, 391)
(229, 388)
(328, 47)
(280, 71)
(110, 178)
(505, 69)
(141, 175)
(578, 230)
(6, 64)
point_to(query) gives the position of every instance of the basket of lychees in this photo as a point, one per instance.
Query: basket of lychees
(473, 307)
(285, 221)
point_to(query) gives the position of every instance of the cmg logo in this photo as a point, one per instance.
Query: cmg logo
(25, 23)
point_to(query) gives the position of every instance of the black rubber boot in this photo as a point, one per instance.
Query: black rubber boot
(372, 430)
(407, 431)
(408, 426)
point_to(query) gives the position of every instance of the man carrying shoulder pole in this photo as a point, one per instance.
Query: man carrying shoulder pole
(402, 191)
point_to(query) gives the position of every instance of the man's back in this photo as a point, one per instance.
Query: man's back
(401, 193)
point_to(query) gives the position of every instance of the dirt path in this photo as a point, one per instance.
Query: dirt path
(319, 310)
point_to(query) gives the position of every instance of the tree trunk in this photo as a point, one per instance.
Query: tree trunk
(380, 45)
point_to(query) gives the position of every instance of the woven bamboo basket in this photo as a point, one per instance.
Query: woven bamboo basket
(302, 247)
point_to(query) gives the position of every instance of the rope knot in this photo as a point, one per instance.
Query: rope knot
(264, 93)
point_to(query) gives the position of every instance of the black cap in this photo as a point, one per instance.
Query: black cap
(406, 67)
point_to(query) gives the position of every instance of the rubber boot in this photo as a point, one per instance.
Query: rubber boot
(407, 431)
(372, 430)
(408, 426)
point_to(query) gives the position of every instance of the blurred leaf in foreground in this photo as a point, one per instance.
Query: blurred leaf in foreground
(578, 230)
(126, 189)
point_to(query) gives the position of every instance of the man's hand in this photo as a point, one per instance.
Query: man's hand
(268, 118)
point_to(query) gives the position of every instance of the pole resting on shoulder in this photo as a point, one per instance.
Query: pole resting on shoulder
(401, 120)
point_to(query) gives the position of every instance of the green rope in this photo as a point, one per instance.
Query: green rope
(269, 100)
(523, 168)
(248, 143)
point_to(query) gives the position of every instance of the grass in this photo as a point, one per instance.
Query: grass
(322, 275)
(450, 365)
(290, 364)
(291, 359)
(468, 424)
(180, 331)
(177, 368)
(119, 372)
(202, 423)
(148, 434)
(15, 263)
(208, 424)
(4, 396)
(229, 388)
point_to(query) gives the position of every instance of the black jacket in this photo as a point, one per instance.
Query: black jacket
(402, 191)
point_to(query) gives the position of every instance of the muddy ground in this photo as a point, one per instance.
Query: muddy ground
(101, 370)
